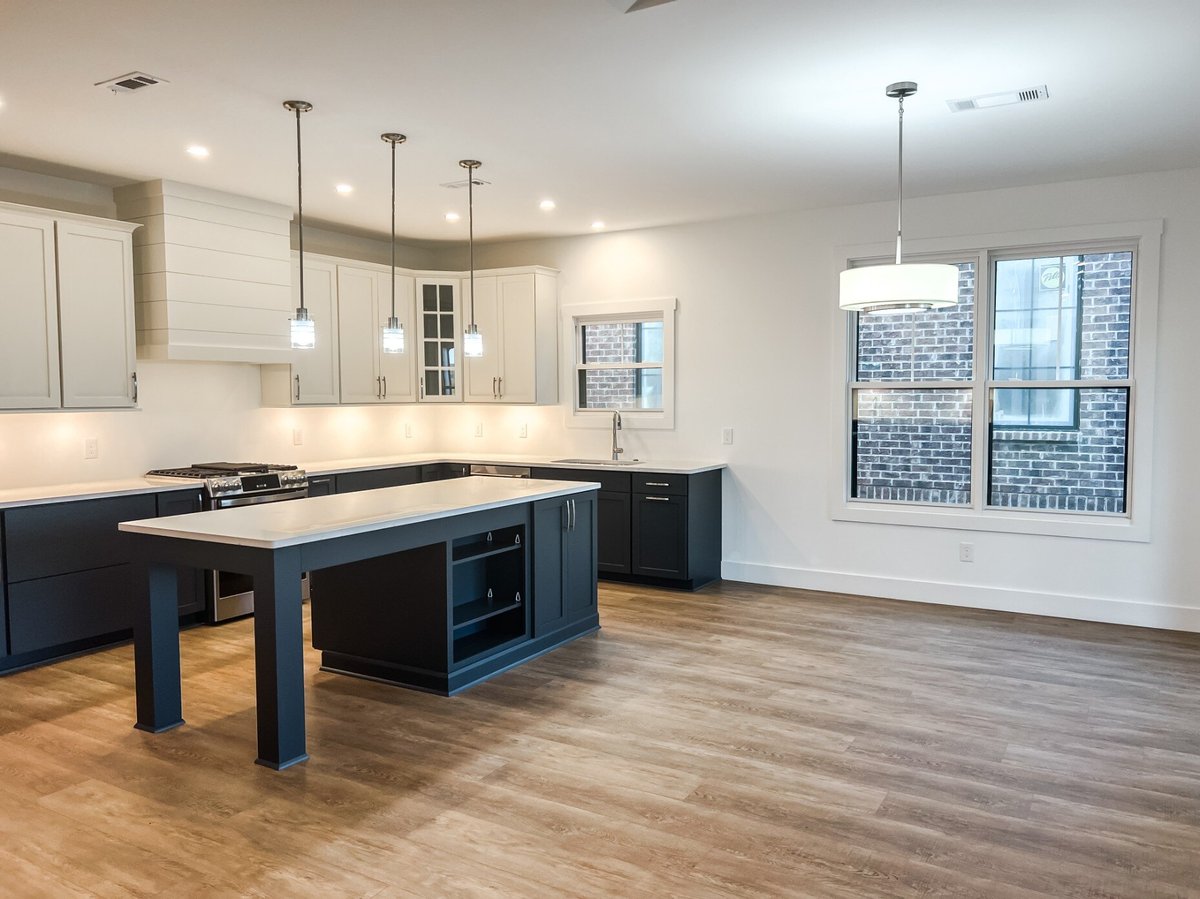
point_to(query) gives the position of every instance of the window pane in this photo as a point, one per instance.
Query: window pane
(1063, 317)
(921, 346)
(912, 446)
(620, 388)
(1080, 470)
(622, 342)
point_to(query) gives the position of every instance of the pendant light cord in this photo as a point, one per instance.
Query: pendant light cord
(900, 184)
(393, 229)
(471, 234)
(300, 204)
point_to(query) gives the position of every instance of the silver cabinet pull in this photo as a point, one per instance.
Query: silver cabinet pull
(297, 388)
(571, 516)
(500, 391)
(378, 388)
(422, 388)
(656, 484)
(385, 387)
(133, 378)
(658, 499)
(493, 387)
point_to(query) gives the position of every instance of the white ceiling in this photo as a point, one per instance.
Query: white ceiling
(691, 110)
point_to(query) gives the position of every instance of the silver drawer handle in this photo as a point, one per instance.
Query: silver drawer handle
(658, 499)
(656, 484)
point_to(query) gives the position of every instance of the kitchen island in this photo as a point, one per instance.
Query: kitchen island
(502, 570)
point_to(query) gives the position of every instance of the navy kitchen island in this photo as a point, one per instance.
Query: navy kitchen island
(434, 586)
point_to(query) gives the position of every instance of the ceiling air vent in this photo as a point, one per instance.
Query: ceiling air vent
(133, 81)
(1006, 98)
(458, 185)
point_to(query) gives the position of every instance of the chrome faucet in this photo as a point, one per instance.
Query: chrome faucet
(616, 450)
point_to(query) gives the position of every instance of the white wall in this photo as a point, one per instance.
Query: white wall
(755, 352)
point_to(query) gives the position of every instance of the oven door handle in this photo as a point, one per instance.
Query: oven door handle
(229, 502)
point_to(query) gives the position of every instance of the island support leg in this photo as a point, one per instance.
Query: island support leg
(156, 648)
(279, 660)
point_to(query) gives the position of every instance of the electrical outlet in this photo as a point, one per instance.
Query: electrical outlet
(966, 552)
(91, 448)
(408, 430)
(479, 429)
(297, 437)
(727, 436)
(524, 431)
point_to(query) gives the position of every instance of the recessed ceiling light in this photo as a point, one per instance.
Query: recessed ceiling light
(345, 188)
(597, 226)
(198, 151)
(547, 205)
(452, 216)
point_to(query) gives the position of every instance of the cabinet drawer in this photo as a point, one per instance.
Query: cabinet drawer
(612, 481)
(58, 538)
(53, 611)
(375, 478)
(673, 484)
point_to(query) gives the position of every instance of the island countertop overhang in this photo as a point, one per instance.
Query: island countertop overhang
(296, 522)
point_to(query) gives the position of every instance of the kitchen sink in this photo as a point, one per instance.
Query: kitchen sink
(604, 462)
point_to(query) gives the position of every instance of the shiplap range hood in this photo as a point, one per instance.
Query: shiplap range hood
(212, 273)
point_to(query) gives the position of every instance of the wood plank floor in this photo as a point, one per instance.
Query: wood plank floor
(740, 741)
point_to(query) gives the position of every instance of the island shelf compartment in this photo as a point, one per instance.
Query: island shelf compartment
(489, 607)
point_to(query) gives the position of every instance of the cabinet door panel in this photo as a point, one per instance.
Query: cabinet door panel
(376, 478)
(549, 529)
(660, 536)
(399, 369)
(439, 327)
(612, 532)
(358, 333)
(95, 304)
(518, 357)
(483, 372)
(579, 560)
(56, 610)
(29, 377)
(317, 368)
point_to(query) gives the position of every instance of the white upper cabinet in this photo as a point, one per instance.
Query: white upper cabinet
(517, 316)
(312, 377)
(364, 303)
(439, 326)
(29, 311)
(96, 321)
(67, 311)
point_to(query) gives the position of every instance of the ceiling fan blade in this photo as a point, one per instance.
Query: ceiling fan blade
(646, 4)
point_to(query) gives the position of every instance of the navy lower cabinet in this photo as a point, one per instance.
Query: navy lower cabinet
(444, 471)
(654, 528)
(67, 577)
(564, 564)
(374, 478)
(465, 604)
(192, 601)
(321, 485)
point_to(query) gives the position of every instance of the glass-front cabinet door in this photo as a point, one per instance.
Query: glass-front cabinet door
(439, 319)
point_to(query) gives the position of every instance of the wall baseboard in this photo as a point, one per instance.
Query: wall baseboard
(969, 596)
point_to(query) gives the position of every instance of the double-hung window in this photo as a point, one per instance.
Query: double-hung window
(1015, 403)
(622, 359)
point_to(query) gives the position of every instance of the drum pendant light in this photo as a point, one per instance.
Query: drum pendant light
(393, 332)
(903, 287)
(303, 330)
(472, 339)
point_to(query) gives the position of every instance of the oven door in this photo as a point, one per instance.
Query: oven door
(230, 594)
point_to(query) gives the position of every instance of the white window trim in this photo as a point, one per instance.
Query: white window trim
(575, 315)
(1133, 526)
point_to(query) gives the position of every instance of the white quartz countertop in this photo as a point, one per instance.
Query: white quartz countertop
(276, 525)
(52, 493)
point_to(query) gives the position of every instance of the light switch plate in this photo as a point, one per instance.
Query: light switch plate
(91, 448)
(524, 431)
(727, 436)
(297, 437)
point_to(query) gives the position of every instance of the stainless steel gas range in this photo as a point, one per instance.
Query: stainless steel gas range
(231, 484)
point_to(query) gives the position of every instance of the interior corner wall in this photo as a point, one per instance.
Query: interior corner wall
(754, 352)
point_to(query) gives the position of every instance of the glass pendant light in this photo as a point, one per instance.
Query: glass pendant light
(393, 331)
(903, 287)
(472, 339)
(304, 330)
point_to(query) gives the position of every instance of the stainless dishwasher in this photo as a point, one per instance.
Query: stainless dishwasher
(500, 471)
